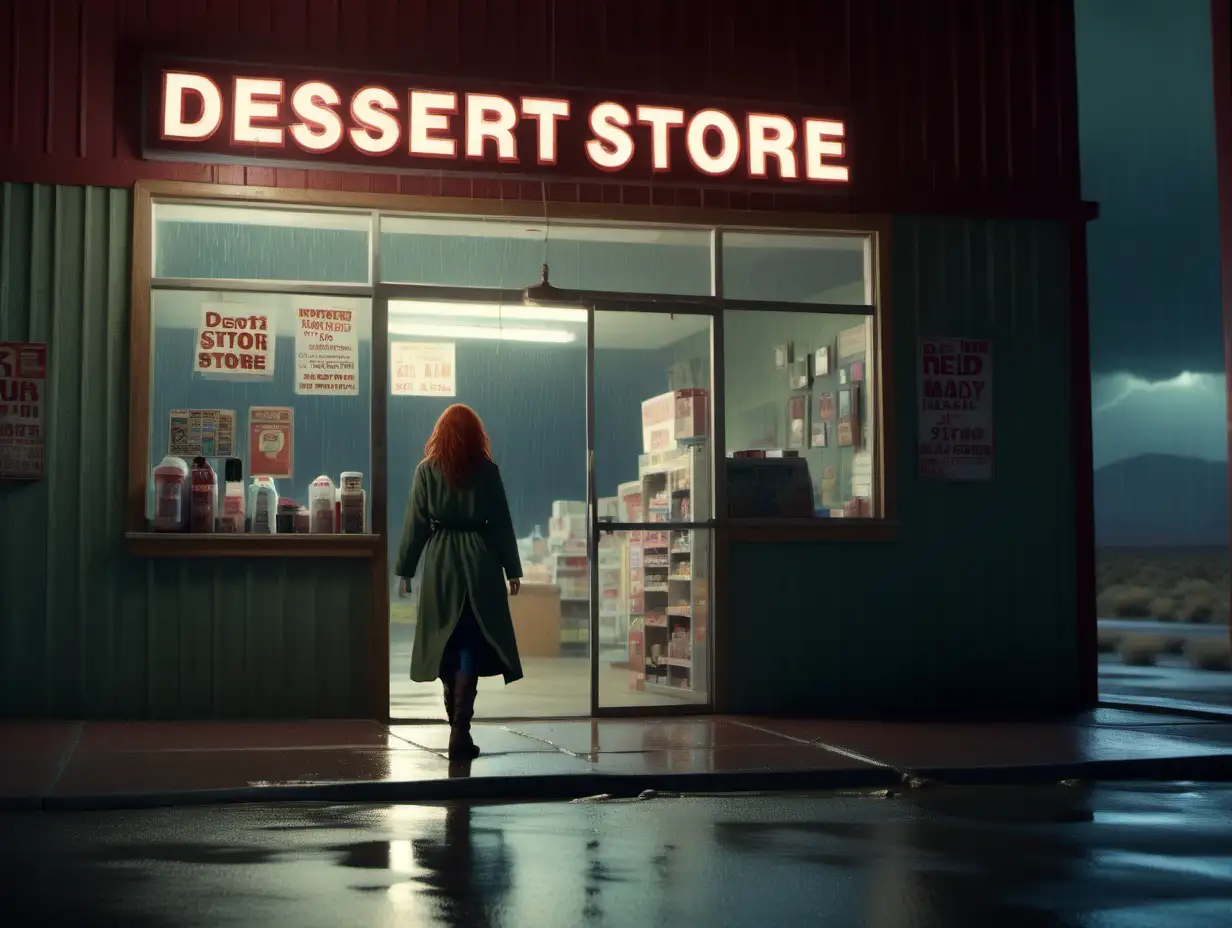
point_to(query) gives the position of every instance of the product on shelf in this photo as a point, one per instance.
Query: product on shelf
(352, 504)
(263, 514)
(171, 501)
(287, 509)
(321, 506)
(231, 518)
(204, 497)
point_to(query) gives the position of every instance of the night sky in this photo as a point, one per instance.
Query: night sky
(1148, 159)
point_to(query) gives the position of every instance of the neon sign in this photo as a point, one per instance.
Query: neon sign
(202, 111)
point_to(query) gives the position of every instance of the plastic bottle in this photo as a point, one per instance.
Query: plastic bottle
(263, 506)
(353, 503)
(170, 512)
(321, 504)
(232, 515)
(204, 496)
(287, 509)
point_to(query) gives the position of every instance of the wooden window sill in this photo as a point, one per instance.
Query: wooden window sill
(159, 544)
(843, 530)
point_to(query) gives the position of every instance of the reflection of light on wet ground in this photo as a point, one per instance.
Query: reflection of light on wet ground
(1219, 868)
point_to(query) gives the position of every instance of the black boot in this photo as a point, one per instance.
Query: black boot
(461, 746)
(449, 698)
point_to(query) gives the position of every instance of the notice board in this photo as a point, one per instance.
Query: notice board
(23, 403)
(955, 440)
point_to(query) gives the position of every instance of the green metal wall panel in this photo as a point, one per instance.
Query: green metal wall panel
(86, 631)
(974, 606)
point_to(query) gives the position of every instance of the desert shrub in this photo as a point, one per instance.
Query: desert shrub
(1164, 608)
(1209, 654)
(1126, 602)
(1140, 651)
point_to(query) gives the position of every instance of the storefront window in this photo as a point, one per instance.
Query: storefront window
(800, 398)
(279, 382)
(217, 242)
(796, 267)
(504, 254)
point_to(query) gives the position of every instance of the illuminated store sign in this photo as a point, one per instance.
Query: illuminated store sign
(207, 111)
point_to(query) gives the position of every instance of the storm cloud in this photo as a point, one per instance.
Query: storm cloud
(1148, 158)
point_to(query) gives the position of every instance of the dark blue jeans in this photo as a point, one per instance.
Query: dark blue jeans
(468, 651)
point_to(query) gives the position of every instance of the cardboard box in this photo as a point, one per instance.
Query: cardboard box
(562, 508)
(672, 416)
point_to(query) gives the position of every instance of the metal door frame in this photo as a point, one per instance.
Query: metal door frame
(662, 306)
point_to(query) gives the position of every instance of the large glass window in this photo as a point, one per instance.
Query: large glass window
(239, 243)
(285, 410)
(798, 267)
(508, 254)
(800, 395)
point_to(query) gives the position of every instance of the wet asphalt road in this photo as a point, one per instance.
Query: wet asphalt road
(1107, 857)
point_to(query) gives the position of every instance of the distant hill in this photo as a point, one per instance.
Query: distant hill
(1161, 499)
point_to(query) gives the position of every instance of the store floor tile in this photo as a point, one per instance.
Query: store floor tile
(910, 746)
(603, 736)
(32, 755)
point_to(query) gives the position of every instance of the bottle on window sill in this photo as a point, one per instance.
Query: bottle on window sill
(231, 519)
(203, 498)
(263, 506)
(322, 503)
(171, 503)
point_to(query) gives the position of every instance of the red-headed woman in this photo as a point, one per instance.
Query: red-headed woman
(458, 520)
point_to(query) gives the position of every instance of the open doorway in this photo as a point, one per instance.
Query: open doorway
(525, 371)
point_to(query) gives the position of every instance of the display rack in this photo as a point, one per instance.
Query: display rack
(675, 488)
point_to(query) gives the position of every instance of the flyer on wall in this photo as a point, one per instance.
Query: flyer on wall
(233, 341)
(271, 431)
(207, 433)
(955, 440)
(326, 351)
(23, 384)
(422, 369)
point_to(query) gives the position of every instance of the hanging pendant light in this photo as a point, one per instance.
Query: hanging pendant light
(544, 292)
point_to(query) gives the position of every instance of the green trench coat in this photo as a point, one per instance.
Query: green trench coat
(468, 555)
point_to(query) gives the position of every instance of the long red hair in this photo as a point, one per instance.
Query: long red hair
(458, 443)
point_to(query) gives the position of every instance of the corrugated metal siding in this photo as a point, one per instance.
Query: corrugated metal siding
(975, 606)
(85, 630)
(950, 101)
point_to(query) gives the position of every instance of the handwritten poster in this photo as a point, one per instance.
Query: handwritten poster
(422, 369)
(270, 440)
(955, 439)
(326, 351)
(234, 342)
(23, 398)
(208, 433)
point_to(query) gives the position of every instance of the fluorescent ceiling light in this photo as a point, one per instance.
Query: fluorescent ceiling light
(486, 311)
(496, 333)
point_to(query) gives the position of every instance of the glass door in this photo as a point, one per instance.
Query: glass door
(651, 507)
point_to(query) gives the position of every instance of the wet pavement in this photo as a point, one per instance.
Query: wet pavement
(65, 765)
(1059, 856)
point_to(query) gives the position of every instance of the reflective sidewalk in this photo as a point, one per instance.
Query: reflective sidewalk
(140, 764)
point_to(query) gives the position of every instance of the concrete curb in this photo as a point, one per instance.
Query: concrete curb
(547, 788)
(1162, 706)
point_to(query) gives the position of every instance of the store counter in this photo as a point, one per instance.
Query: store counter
(536, 619)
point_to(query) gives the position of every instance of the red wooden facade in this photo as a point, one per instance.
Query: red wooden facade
(963, 106)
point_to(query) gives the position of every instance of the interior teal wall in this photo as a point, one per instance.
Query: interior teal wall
(973, 607)
(85, 630)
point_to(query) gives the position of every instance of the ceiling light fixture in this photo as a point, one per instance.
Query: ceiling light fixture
(450, 311)
(489, 332)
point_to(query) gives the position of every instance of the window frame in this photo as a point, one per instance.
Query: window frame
(875, 228)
